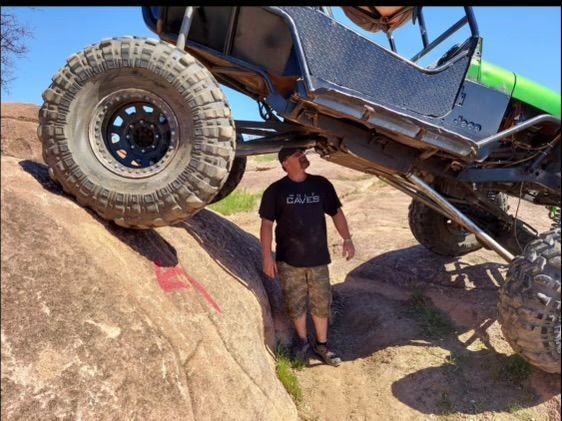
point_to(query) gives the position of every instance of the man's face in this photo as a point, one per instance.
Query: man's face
(296, 160)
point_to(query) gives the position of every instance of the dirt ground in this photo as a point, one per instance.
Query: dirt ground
(392, 368)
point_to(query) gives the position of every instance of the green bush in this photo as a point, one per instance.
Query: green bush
(266, 158)
(433, 322)
(285, 372)
(515, 369)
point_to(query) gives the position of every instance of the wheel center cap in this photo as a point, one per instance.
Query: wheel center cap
(142, 136)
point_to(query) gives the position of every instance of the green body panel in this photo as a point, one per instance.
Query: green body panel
(517, 86)
(492, 76)
(536, 95)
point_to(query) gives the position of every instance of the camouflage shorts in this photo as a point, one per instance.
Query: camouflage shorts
(298, 284)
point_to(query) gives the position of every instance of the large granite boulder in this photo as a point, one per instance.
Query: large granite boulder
(100, 322)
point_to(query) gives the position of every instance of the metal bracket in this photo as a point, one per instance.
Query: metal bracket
(266, 112)
(368, 112)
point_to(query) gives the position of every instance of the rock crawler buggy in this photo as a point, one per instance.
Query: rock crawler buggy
(140, 131)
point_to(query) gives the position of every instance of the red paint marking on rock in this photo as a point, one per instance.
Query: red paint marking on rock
(168, 280)
(204, 293)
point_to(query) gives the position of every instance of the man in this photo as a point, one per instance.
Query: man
(297, 203)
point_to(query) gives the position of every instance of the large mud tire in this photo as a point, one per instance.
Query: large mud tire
(174, 98)
(439, 234)
(529, 303)
(234, 178)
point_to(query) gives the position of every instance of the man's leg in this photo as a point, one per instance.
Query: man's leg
(320, 301)
(320, 293)
(321, 327)
(300, 327)
(293, 284)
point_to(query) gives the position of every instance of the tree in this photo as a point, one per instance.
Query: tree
(12, 44)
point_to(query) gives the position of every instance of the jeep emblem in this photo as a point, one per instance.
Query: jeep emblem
(460, 121)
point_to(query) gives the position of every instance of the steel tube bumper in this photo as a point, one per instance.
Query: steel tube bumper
(460, 218)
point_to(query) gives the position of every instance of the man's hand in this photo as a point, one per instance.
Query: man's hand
(348, 249)
(269, 266)
(341, 225)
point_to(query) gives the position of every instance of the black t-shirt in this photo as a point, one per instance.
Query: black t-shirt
(299, 208)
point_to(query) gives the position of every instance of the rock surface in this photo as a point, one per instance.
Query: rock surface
(19, 131)
(104, 323)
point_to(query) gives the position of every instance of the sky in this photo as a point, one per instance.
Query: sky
(525, 40)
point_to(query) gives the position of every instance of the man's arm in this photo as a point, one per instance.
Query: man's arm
(266, 238)
(341, 225)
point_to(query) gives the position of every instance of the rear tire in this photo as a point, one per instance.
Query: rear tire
(441, 235)
(234, 178)
(529, 303)
(138, 131)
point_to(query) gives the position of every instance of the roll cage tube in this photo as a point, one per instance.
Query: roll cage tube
(467, 19)
(152, 18)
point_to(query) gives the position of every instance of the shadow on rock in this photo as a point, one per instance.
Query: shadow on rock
(418, 265)
(237, 251)
(239, 254)
(373, 315)
(473, 383)
(41, 173)
(367, 320)
(147, 243)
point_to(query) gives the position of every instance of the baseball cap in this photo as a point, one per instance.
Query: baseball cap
(284, 153)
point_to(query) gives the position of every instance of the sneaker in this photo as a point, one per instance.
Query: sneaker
(299, 349)
(328, 356)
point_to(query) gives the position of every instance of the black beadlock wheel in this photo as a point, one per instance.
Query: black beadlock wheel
(529, 303)
(138, 131)
(440, 234)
